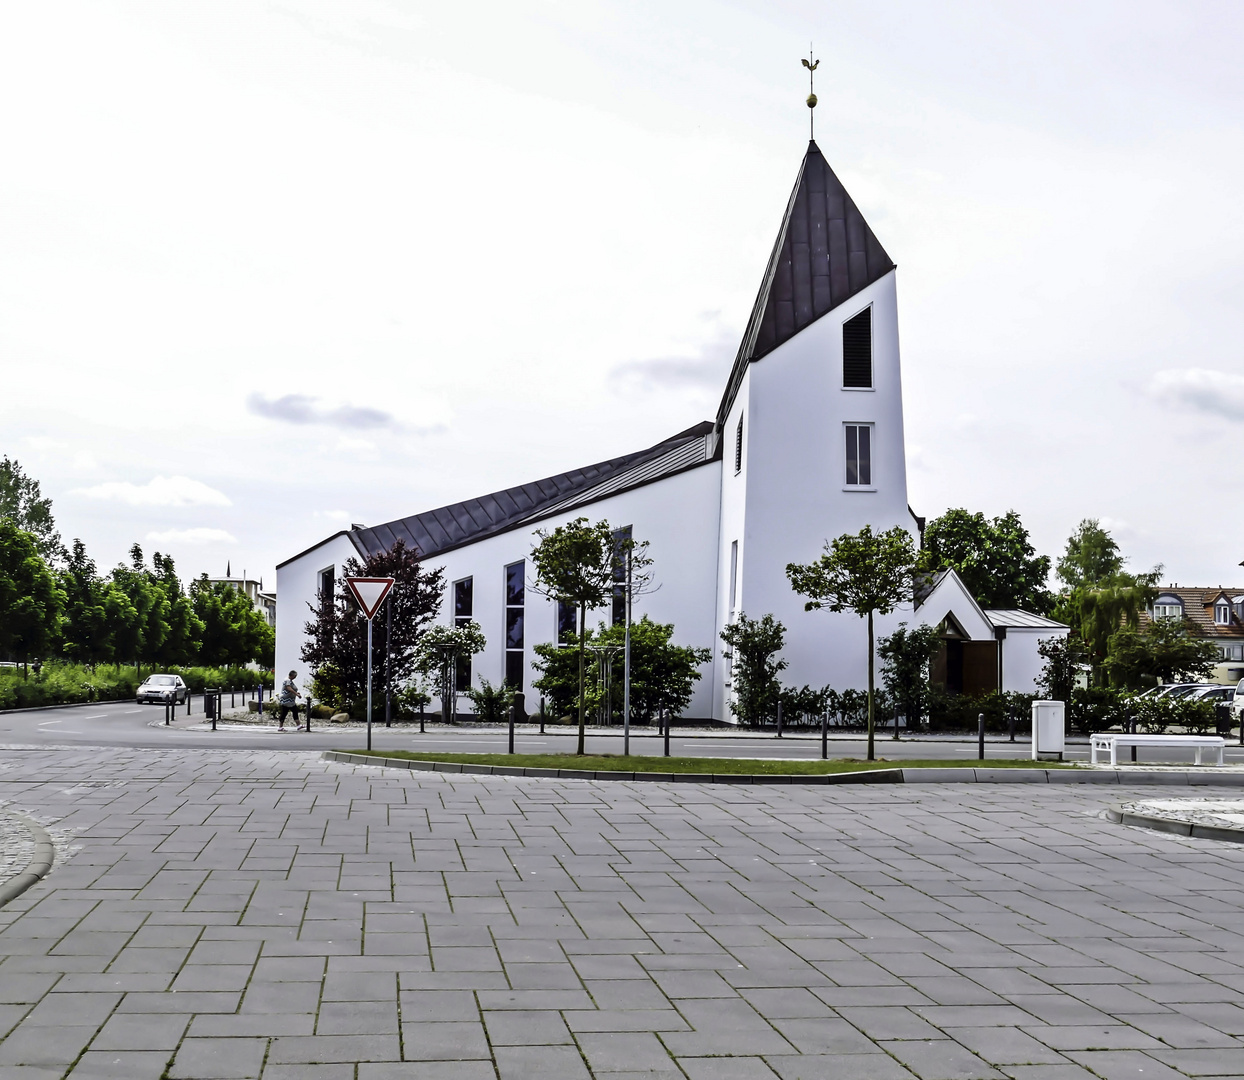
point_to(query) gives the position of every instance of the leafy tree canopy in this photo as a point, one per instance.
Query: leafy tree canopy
(22, 503)
(233, 631)
(1092, 556)
(1064, 660)
(663, 675)
(30, 600)
(993, 557)
(1166, 650)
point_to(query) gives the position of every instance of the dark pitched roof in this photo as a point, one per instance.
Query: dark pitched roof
(437, 531)
(825, 253)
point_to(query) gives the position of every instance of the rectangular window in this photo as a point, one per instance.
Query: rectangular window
(1167, 611)
(734, 575)
(567, 622)
(464, 607)
(859, 455)
(738, 447)
(620, 536)
(1222, 615)
(328, 582)
(857, 351)
(515, 594)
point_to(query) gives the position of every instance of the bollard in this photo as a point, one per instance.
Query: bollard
(542, 714)
(211, 705)
(188, 696)
(1131, 730)
(511, 728)
(779, 720)
(980, 735)
(825, 735)
(1010, 721)
(168, 708)
(421, 718)
(667, 734)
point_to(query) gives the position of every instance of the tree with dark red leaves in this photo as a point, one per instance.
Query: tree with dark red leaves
(337, 631)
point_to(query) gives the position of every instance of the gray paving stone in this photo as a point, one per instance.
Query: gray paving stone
(219, 1059)
(540, 1063)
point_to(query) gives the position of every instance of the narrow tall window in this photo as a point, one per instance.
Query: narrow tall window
(738, 446)
(1222, 614)
(464, 607)
(857, 351)
(328, 582)
(859, 455)
(620, 536)
(734, 575)
(567, 622)
(515, 594)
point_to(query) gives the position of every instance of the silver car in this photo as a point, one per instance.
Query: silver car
(162, 689)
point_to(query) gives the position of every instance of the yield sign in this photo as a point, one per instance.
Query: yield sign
(370, 592)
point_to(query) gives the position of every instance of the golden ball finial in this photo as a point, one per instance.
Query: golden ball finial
(811, 101)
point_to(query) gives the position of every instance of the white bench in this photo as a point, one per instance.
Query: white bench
(1198, 742)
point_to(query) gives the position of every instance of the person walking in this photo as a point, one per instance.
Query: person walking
(288, 700)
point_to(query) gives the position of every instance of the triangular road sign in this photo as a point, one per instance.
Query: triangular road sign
(370, 592)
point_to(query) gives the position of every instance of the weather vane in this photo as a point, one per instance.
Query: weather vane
(811, 65)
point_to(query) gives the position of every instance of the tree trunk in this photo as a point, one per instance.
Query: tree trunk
(582, 694)
(872, 756)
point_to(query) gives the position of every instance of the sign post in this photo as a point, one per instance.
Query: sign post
(369, 594)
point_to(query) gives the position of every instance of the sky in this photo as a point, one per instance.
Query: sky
(271, 269)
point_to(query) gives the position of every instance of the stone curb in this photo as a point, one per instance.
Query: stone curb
(871, 776)
(38, 867)
(1169, 825)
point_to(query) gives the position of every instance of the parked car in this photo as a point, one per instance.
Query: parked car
(1237, 704)
(163, 689)
(1215, 695)
(1178, 690)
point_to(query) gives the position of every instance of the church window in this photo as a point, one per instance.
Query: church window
(859, 455)
(515, 594)
(567, 622)
(620, 536)
(738, 447)
(857, 351)
(734, 575)
(464, 606)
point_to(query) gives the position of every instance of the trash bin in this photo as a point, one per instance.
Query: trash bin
(1049, 730)
(1222, 720)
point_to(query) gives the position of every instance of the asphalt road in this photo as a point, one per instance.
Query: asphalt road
(131, 726)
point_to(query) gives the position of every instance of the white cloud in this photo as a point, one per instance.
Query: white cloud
(159, 491)
(1201, 389)
(191, 536)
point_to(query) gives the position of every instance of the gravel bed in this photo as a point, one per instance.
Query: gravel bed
(17, 846)
(1220, 813)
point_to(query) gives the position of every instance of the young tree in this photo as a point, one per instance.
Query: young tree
(1167, 650)
(663, 675)
(30, 602)
(575, 564)
(753, 645)
(437, 654)
(993, 557)
(86, 632)
(22, 503)
(337, 631)
(870, 574)
(1092, 556)
(905, 659)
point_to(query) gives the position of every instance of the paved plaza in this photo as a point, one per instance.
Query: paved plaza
(252, 914)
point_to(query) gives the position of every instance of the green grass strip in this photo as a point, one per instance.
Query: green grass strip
(744, 766)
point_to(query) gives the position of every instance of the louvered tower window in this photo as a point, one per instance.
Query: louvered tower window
(857, 351)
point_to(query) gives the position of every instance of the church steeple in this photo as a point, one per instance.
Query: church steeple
(825, 253)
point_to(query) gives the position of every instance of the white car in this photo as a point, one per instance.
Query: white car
(162, 689)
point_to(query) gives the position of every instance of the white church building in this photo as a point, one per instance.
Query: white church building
(807, 444)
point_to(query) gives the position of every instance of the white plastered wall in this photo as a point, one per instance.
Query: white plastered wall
(297, 585)
(1021, 663)
(677, 516)
(793, 483)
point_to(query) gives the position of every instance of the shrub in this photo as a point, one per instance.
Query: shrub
(1098, 708)
(491, 703)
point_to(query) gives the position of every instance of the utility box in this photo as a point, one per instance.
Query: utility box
(1049, 730)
